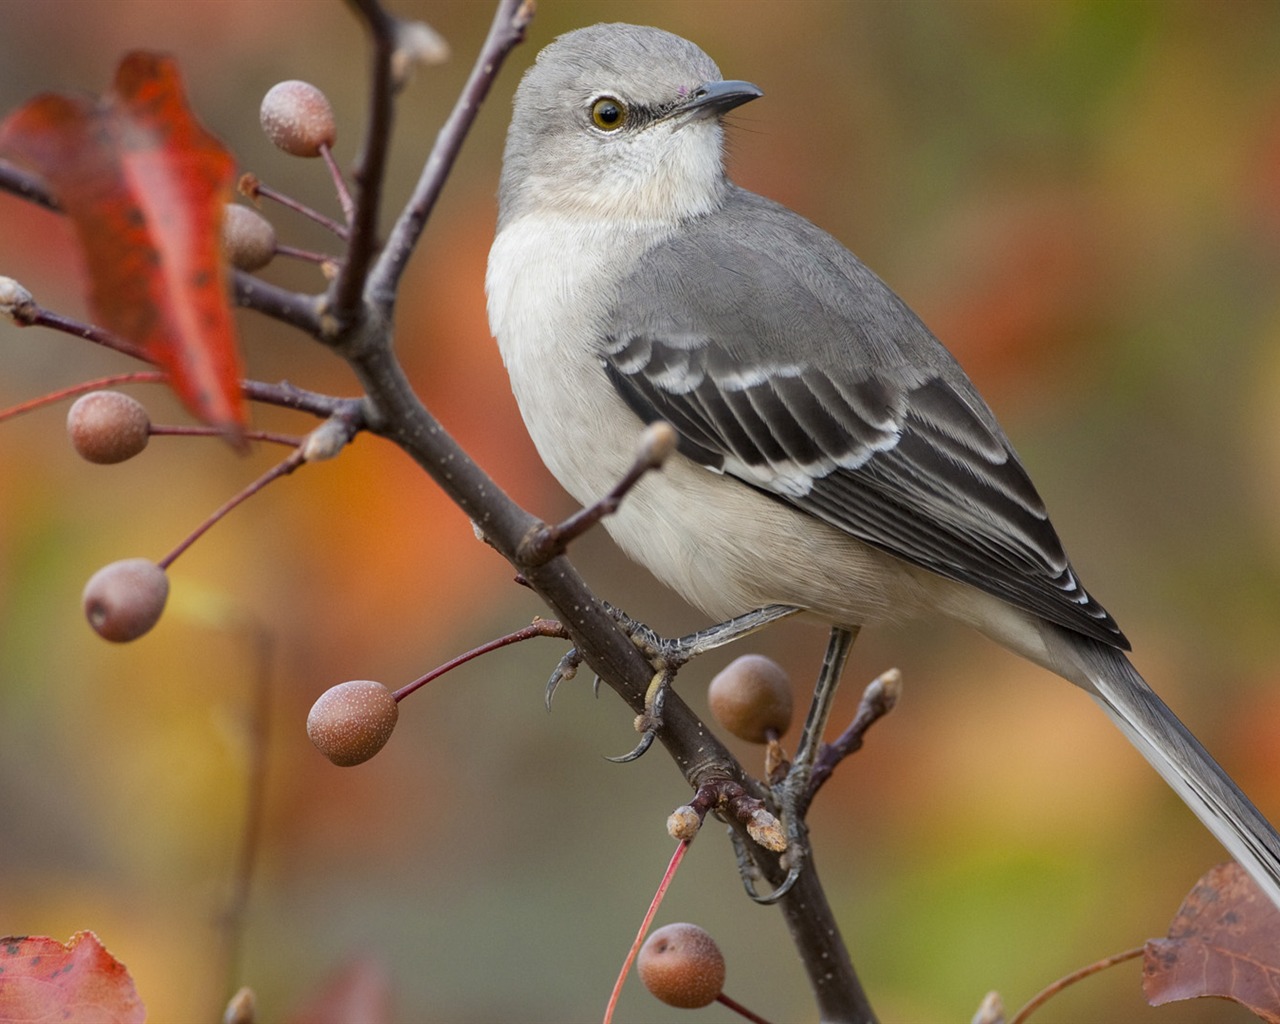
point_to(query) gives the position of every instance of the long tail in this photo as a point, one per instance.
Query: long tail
(1178, 756)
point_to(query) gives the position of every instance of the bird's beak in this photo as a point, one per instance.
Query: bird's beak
(716, 98)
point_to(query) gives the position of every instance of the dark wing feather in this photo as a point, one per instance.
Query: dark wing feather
(851, 411)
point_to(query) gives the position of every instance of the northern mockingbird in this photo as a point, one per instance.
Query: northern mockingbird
(832, 455)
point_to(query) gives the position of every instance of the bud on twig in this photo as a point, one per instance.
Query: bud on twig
(417, 45)
(16, 302)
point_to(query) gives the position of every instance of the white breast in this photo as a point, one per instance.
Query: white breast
(549, 291)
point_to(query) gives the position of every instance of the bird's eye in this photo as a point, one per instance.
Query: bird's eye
(608, 114)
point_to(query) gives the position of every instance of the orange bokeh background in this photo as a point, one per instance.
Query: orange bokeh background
(1082, 199)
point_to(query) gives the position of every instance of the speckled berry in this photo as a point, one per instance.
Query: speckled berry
(108, 426)
(682, 965)
(297, 117)
(352, 721)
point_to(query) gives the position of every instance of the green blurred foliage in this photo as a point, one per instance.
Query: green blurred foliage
(1082, 198)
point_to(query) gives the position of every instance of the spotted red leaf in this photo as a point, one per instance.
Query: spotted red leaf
(1225, 941)
(42, 980)
(145, 186)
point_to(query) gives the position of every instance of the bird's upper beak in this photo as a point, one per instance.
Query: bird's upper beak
(716, 98)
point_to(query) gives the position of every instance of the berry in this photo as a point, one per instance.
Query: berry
(108, 426)
(248, 239)
(123, 600)
(751, 698)
(297, 117)
(352, 721)
(682, 965)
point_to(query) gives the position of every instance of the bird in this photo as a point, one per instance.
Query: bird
(832, 456)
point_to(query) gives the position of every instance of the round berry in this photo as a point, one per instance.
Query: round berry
(682, 965)
(108, 426)
(352, 721)
(297, 117)
(751, 698)
(248, 239)
(123, 600)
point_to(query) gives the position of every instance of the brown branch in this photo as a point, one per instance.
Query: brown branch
(878, 699)
(508, 28)
(26, 186)
(347, 292)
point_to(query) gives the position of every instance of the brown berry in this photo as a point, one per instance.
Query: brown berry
(123, 600)
(297, 117)
(682, 965)
(108, 426)
(751, 697)
(352, 721)
(248, 239)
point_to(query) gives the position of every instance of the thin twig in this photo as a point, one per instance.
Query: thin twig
(138, 377)
(348, 289)
(27, 186)
(740, 1010)
(878, 699)
(1049, 991)
(192, 430)
(539, 627)
(235, 914)
(507, 30)
(657, 442)
(293, 308)
(681, 848)
(284, 468)
(41, 317)
(253, 187)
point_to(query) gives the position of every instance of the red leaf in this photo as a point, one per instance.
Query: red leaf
(41, 980)
(1225, 941)
(145, 186)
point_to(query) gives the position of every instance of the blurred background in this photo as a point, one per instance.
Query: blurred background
(1081, 198)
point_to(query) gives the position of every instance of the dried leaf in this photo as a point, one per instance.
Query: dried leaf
(1224, 941)
(145, 186)
(41, 980)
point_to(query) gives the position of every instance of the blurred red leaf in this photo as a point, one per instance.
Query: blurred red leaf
(1224, 941)
(145, 186)
(358, 990)
(41, 980)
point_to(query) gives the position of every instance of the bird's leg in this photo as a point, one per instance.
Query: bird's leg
(674, 652)
(668, 655)
(793, 792)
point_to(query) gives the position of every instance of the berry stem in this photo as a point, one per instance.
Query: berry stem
(740, 1010)
(681, 848)
(539, 627)
(1047, 993)
(306, 255)
(185, 430)
(254, 188)
(137, 377)
(284, 468)
(339, 183)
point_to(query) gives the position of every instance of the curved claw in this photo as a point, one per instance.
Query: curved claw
(646, 741)
(567, 668)
(787, 884)
(748, 872)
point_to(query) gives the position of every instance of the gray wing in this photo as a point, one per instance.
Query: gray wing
(850, 411)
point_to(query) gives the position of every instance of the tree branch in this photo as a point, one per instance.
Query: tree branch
(507, 30)
(347, 293)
